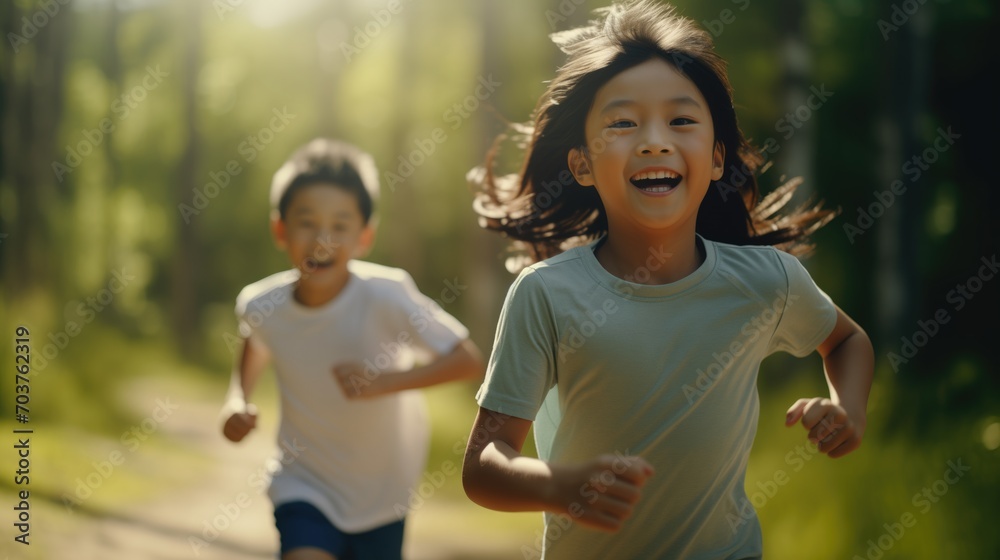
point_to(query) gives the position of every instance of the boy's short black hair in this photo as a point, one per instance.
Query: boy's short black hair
(327, 161)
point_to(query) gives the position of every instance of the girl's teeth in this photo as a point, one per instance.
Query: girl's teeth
(655, 175)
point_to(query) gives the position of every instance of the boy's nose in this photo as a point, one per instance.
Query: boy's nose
(326, 240)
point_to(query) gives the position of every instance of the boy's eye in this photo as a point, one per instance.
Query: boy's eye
(680, 121)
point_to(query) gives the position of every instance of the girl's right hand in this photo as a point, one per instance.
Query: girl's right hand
(600, 493)
(239, 424)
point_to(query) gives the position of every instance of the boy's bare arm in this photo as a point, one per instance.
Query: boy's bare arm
(240, 415)
(463, 362)
(599, 493)
(837, 424)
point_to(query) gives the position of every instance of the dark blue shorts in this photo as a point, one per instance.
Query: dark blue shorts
(300, 524)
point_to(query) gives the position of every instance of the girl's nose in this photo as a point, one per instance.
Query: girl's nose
(655, 141)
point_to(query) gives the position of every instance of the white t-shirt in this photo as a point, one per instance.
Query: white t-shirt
(355, 460)
(667, 372)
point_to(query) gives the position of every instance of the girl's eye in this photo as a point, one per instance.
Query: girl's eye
(621, 123)
(680, 121)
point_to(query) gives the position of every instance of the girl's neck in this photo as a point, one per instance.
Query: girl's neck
(651, 258)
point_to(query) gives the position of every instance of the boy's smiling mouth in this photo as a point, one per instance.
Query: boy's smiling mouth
(314, 264)
(660, 180)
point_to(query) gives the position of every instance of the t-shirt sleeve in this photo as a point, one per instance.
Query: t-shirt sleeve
(522, 367)
(249, 316)
(433, 331)
(808, 316)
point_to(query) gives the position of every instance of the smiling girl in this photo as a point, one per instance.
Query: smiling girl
(634, 339)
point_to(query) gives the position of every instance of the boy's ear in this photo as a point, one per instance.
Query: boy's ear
(718, 161)
(365, 241)
(579, 166)
(278, 231)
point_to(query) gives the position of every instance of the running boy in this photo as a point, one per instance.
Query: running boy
(345, 337)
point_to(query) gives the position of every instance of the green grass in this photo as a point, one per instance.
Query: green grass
(832, 508)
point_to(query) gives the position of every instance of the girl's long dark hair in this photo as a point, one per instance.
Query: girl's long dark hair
(544, 207)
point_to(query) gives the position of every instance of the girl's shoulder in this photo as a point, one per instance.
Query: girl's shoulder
(565, 271)
(563, 263)
(762, 262)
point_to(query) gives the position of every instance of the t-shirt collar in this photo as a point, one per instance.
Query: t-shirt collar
(628, 289)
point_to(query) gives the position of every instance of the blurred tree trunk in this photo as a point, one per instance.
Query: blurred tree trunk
(400, 221)
(898, 280)
(31, 108)
(113, 72)
(483, 250)
(798, 150)
(330, 32)
(184, 265)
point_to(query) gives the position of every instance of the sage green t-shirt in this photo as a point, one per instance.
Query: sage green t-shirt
(667, 372)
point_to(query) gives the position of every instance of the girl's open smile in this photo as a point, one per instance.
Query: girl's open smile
(658, 153)
(656, 181)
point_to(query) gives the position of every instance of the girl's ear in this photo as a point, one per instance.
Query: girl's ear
(579, 166)
(718, 161)
(278, 231)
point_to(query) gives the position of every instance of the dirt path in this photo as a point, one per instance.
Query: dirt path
(208, 508)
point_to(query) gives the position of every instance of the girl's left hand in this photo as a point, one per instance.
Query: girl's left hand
(354, 382)
(830, 427)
